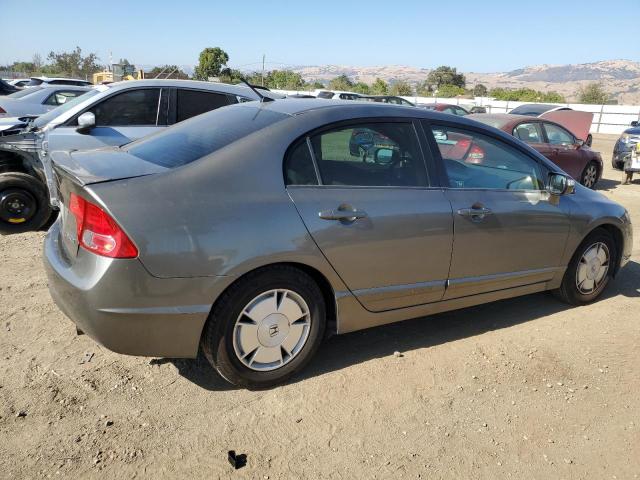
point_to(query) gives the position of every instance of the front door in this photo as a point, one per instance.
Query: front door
(363, 193)
(509, 231)
(562, 144)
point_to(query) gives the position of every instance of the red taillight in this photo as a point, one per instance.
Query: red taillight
(476, 153)
(2, 110)
(98, 232)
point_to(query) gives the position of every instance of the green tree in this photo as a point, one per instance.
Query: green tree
(401, 88)
(480, 90)
(341, 82)
(379, 87)
(232, 76)
(449, 91)
(210, 63)
(362, 87)
(73, 63)
(284, 79)
(445, 75)
(315, 85)
(165, 71)
(553, 97)
(593, 93)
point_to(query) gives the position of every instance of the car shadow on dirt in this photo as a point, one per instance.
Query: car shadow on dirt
(342, 351)
(607, 184)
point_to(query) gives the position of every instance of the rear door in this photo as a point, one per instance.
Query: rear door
(531, 133)
(509, 231)
(374, 211)
(187, 103)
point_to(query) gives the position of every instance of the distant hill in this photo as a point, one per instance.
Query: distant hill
(621, 78)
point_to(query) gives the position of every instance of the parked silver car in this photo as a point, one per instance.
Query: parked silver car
(32, 102)
(106, 115)
(253, 231)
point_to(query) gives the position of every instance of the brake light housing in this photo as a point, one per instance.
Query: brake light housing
(97, 232)
(2, 110)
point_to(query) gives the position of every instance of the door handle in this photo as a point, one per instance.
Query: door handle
(344, 214)
(475, 213)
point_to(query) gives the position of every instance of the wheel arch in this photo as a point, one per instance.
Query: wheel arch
(618, 239)
(323, 283)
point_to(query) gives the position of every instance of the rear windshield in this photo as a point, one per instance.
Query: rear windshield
(199, 136)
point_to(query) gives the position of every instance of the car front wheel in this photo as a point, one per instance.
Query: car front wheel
(589, 175)
(589, 270)
(265, 327)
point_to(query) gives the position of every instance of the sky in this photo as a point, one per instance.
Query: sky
(488, 36)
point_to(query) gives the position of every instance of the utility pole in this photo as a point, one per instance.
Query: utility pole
(263, 57)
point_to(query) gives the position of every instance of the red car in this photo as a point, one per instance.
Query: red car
(553, 141)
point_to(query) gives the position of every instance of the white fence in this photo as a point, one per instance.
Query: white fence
(612, 119)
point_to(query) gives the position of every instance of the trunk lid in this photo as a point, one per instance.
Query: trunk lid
(73, 171)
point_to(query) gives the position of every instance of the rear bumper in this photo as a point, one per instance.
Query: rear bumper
(124, 308)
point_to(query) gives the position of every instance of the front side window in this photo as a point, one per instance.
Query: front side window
(195, 102)
(370, 154)
(61, 97)
(474, 160)
(131, 108)
(558, 135)
(529, 132)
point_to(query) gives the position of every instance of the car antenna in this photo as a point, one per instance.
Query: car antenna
(263, 98)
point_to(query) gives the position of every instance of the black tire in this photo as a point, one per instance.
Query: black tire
(217, 338)
(24, 203)
(568, 291)
(589, 176)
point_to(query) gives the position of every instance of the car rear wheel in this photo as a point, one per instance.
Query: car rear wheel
(24, 204)
(265, 327)
(589, 175)
(589, 270)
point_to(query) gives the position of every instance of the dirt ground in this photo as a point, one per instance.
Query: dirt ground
(523, 388)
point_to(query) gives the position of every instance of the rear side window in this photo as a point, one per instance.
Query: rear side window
(61, 97)
(529, 132)
(200, 136)
(370, 154)
(298, 166)
(325, 94)
(194, 102)
(134, 107)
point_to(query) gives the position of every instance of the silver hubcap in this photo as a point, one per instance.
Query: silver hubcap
(590, 176)
(593, 268)
(271, 330)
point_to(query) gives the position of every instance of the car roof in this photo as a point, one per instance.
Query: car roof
(195, 84)
(49, 79)
(295, 107)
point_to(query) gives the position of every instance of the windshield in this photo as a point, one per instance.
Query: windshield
(24, 93)
(66, 106)
(199, 136)
(531, 110)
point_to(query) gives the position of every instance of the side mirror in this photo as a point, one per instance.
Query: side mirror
(634, 123)
(579, 143)
(560, 184)
(86, 122)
